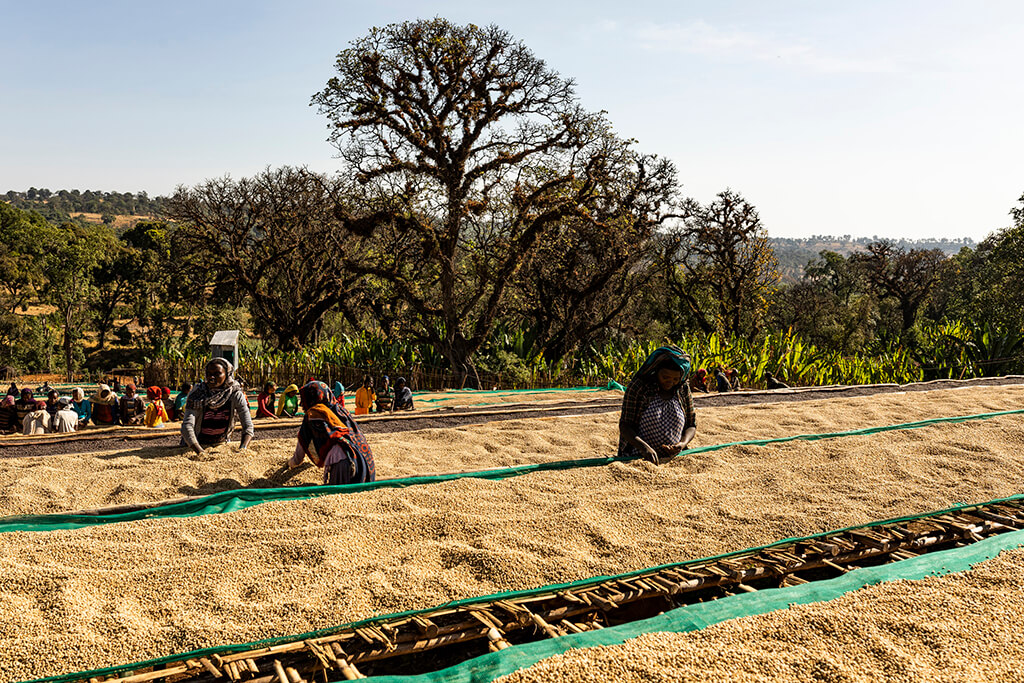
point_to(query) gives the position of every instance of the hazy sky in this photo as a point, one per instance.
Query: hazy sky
(863, 118)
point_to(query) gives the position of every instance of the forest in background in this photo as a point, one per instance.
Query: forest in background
(484, 223)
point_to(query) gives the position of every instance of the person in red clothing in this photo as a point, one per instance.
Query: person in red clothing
(265, 401)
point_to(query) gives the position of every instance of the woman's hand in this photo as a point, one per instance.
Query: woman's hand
(650, 455)
(669, 451)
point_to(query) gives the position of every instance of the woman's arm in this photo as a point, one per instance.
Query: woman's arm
(188, 430)
(241, 404)
(628, 434)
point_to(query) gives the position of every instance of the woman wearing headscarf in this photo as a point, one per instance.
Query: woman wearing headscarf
(213, 406)
(165, 398)
(339, 392)
(288, 405)
(156, 413)
(81, 405)
(38, 421)
(65, 420)
(658, 421)
(698, 381)
(8, 416)
(104, 406)
(331, 439)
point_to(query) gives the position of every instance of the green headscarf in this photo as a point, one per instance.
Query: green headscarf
(665, 356)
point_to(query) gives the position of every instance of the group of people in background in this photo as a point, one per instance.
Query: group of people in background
(721, 379)
(21, 412)
(271, 405)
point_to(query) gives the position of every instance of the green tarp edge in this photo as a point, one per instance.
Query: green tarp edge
(701, 615)
(238, 499)
(512, 595)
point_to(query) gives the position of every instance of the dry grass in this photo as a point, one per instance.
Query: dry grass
(94, 597)
(961, 627)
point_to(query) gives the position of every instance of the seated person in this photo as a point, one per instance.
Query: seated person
(403, 396)
(339, 392)
(131, 410)
(81, 405)
(212, 408)
(385, 396)
(165, 398)
(365, 396)
(65, 420)
(156, 413)
(733, 376)
(658, 421)
(698, 381)
(23, 406)
(265, 401)
(38, 421)
(52, 402)
(8, 416)
(773, 383)
(104, 407)
(179, 400)
(288, 404)
(722, 381)
(331, 439)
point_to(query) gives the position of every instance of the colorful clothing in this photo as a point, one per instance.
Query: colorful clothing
(288, 404)
(24, 405)
(332, 440)
(104, 406)
(131, 411)
(643, 389)
(364, 400)
(8, 415)
(210, 412)
(156, 414)
(265, 404)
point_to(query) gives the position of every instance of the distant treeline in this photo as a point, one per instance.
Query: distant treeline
(61, 204)
(793, 253)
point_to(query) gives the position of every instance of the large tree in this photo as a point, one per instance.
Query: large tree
(719, 263)
(905, 277)
(590, 267)
(278, 239)
(475, 148)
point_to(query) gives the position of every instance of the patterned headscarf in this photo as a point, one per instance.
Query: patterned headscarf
(664, 357)
(313, 393)
(214, 398)
(99, 399)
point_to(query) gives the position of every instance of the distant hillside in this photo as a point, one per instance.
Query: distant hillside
(66, 204)
(793, 253)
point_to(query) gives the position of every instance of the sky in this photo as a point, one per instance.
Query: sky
(896, 118)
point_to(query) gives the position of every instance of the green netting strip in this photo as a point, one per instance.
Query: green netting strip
(239, 499)
(694, 616)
